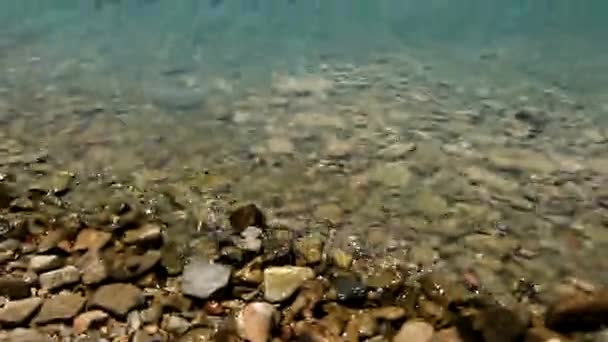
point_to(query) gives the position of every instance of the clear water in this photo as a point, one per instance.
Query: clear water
(183, 87)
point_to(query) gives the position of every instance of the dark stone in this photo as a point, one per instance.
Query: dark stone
(5, 196)
(126, 267)
(490, 321)
(15, 288)
(533, 117)
(247, 216)
(579, 312)
(13, 227)
(349, 288)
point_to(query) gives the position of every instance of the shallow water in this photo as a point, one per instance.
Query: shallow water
(470, 137)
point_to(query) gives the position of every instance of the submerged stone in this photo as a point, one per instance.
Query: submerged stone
(202, 278)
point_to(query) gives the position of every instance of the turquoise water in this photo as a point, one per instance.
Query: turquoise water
(135, 41)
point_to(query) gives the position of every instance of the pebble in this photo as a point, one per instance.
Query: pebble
(91, 239)
(42, 263)
(58, 278)
(202, 278)
(93, 268)
(60, 307)
(175, 324)
(415, 331)
(281, 282)
(14, 287)
(255, 321)
(251, 239)
(147, 233)
(579, 312)
(83, 322)
(247, 216)
(117, 298)
(18, 311)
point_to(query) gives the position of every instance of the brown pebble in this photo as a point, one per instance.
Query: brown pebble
(213, 308)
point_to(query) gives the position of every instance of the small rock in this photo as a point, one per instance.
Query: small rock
(12, 245)
(93, 267)
(349, 288)
(310, 249)
(198, 335)
(579, 312)
(126, 267)
(281, 282)
(83, 322)
(175, 324)
(117, 298)
(147, 233)
(255, 321)
(91, 239)
(202, 278)
(15, 288)
(247, 216)
(42, 263)
(542, 334)
(134, 321)
(251, 239)
(51, 240)
(58, 278)
(448, 335)
(329, 211)
(18, 311)
(60, 307)
(415, 331)
(172, 257)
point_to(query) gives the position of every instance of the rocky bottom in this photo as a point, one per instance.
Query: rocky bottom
(256, 282)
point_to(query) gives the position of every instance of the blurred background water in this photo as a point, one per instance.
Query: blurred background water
(194, 85)
(132, 43)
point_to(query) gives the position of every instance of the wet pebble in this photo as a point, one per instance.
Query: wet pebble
(415, 331)
(281, 282)
(117, 298)
(255, 321)
(60, 307)
(18, 311)
(58, 278)
(202, 278)
(41, 263)
(579, 312)
(85, 320)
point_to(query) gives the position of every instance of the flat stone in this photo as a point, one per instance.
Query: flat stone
(42, 263)
(202, 278)
(23, 335)
(255, 321)
(51, 240)
(83, 322)
(146, 233)
(281, 282)
(14, 287)
(58, 278)
(93, 267)
(118, 298)
(175, 324)
(91, 239)
(18, 311)
(123, 268)
(415, 331)
(60, 307)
